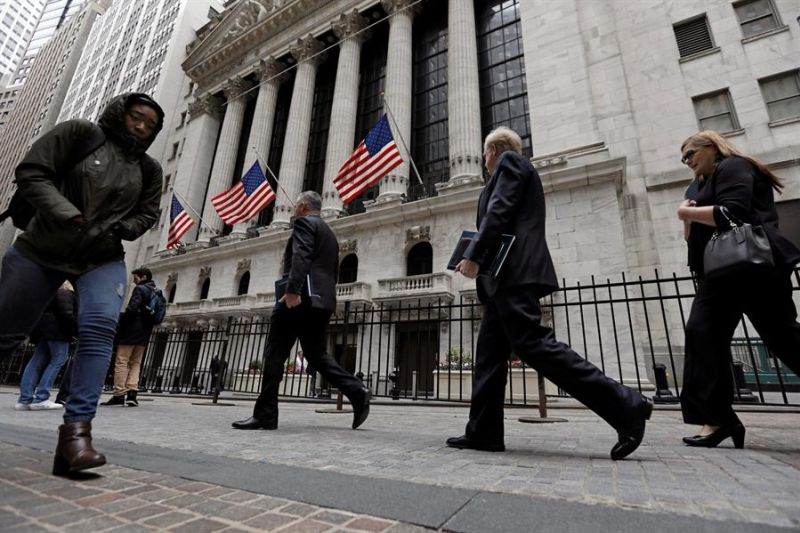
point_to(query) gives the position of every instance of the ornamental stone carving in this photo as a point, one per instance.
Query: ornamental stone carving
(270, 69)
(172, 278)
(394, 6)
(348, 246)
(235, 87)
(418, 233)
(243, 265)
(205, 272)
(307, 49)
(205, 104)
(349, 25)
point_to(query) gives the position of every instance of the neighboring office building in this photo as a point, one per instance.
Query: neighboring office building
(603, 93)
(54, 15)
(40, 99)
(18, 20)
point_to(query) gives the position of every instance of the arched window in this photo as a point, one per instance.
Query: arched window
(348, 269)
(419, 259)
(244, 283)
(204, 289)
(171, 295)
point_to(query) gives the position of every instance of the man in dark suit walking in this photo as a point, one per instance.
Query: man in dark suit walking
(310, 264)
(512, 202)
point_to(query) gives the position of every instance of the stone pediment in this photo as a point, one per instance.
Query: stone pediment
(238, 30)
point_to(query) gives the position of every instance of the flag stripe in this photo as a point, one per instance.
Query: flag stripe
(179, 226)
(371, 178)
(390, 152)
(366, 175)
(244, 200)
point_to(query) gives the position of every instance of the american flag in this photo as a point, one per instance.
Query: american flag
(244, 200)
(372, 159)
(179, 223)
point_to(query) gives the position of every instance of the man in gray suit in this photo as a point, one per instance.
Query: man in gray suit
(512, 202)
(310, 265)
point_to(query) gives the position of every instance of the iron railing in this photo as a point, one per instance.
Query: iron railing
(422, 348)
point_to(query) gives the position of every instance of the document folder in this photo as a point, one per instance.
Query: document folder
(493, 267)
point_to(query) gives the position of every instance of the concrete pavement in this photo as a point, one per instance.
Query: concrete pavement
(397, 473)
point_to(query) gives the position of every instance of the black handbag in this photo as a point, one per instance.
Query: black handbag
(736, 249)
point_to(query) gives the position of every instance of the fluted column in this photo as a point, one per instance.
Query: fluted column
(298, 126)
(345, 106)
(398, 91)
(463, 98)
(194, 166)
(225, 157)
(268, 71)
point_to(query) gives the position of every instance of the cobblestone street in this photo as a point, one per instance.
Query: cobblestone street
(178, 465)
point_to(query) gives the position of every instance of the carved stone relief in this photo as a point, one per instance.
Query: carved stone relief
(418, 233)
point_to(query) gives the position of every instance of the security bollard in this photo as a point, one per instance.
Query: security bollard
(741, 392)
(663, 392)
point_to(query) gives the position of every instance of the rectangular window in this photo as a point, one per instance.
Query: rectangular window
(756, 16)
(174, 153)
(715, 112)
(693, 36)
(782, 95)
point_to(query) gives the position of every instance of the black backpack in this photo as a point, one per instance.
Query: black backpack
(156, 307)
(20, 211)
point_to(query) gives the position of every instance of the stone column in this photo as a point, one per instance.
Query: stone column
(341, 141)
(225, 158)
(398, 93)
(268, 71)
(194, 166)
(463, 99)
(295, 147)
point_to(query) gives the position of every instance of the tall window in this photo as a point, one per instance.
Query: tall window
(204, 288)
(782, 95)
(429, 133)
(501, 63)
(419, 259)
(756, 16)
(715, 112)
(348, 269)
(320, 124)
(244, 284)
(276, 145)
(172, 291)
(370, 101)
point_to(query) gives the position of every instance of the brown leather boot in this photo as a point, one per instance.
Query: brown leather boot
(74, 451)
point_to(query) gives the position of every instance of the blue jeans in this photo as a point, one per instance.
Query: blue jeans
(41, 371)
(26, 289)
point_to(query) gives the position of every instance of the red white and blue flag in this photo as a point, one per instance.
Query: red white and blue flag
(372, 159)
(246, 199)
(179, 223)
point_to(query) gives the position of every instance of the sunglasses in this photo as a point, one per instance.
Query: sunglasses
(688, 156)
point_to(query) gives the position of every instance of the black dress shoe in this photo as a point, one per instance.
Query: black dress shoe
(463, 442)
(630, 437)
(254, 423)
(734, 431)
(361, 408)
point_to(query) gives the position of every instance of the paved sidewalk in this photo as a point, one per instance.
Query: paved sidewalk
(554, 477)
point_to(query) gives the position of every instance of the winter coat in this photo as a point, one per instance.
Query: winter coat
(107, 188)
(135, 324)
(59, 321)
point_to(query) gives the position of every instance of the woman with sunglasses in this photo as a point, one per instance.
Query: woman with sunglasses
(731, 186)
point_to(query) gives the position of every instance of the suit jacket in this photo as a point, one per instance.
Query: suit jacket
(312, 249)
(513, 202)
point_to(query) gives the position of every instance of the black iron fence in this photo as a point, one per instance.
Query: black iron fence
(422, 348)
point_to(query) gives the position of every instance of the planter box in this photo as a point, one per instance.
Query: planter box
(457, 385)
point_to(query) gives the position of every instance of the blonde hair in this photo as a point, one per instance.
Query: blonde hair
(726, 149)
(505, 139)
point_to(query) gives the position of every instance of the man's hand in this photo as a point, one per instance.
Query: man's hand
(468, 268)
(291, 299)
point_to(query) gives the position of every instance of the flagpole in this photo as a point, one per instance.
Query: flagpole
(291, 201)
(186, 203)
(400, 136)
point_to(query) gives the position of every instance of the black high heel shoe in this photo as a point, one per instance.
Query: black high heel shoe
(734, 431)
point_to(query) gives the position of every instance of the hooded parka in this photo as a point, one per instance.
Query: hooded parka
(107, 188)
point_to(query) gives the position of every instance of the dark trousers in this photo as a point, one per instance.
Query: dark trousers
(511, 323)
(766, 299)
(311, 327)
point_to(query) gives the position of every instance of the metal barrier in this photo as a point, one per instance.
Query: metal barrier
(633, 329)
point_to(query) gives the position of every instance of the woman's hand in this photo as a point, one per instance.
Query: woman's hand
(685, 209)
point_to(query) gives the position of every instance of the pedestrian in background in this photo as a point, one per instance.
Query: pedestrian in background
(52, 336)
(83, 211)
(731, 187)
(133, 334)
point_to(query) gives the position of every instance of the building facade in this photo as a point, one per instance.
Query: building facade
(18, 20)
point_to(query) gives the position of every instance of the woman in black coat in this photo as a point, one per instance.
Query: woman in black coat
(733, 184)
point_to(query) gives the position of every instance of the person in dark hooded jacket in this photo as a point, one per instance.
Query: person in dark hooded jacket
(76, 233)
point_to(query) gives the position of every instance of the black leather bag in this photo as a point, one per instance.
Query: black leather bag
(736, 249)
